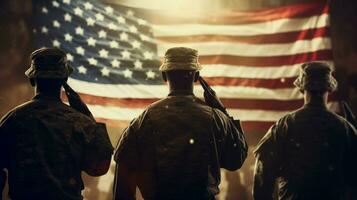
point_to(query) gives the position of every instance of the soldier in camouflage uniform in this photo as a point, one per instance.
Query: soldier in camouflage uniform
(44, 143)
(310, 153)
(176, 147)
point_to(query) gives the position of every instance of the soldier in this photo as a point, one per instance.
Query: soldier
(45, 144)
(176, 147)
(311, 152)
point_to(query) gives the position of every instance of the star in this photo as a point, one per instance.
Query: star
(148, 55)
(82, 70)
(66, 1)
(150, 75)
(109, 10)
(99, 17)
(80, 50)
(79, 30)
(103, 53)
(56, 24)
(133, 29)
(125, 54)
(121, 20)
(144, 37)
(44, 10)
(128, 73)
(44, 30)
(102, 34)
(69, 57)
(142, 22)
(130, 13)
(78, 11)
(136, 44)
(90, 21)
(55, 4)
(56, 43)
(105, 71)
(114, 44)
(67, 17)
(138, 64)
(88, 6)
(112, 26)
(123, 36)
(91, 41)
(68, 37)
(92, 61)
(115, 63)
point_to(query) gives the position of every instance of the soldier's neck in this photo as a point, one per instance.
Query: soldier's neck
(53, 94)
(318, 99)
(186, 90)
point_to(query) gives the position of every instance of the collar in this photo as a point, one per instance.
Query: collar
(181, 93)
(45, 97)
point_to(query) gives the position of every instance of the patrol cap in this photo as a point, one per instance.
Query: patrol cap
(316, 76)
(49, 63)
(180, 58)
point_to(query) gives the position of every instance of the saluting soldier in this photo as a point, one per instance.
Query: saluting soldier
(46, 144)
(176, 147)
(311, 152)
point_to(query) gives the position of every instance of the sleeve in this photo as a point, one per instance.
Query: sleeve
(5, 126)
(231, 141)
(268, 159)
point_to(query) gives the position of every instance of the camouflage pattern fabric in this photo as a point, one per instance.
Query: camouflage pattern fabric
(45, 145)
(178, 145)
(310, 152)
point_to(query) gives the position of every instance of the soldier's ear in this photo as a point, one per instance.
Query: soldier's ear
(164, 76)
(197, 74)
(32, 82)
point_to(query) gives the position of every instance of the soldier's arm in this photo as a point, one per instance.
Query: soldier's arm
(98, 150)
(233, 146)
(264, 179)
(124, 183)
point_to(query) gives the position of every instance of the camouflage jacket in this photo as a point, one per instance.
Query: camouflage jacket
(45, 145)
(311, 153)
(177, 147)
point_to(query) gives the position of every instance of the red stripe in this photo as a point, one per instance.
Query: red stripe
(267, 60)
(288, 37)
(239, 17)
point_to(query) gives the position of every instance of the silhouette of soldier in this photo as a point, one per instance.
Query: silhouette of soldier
(311, 152)
(45, 144)
(176, 147)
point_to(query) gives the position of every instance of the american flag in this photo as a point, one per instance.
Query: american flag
(250, 58)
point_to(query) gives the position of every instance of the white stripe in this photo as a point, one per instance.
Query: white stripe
(270, 27)
(159, 91)
(234, 71)
(117, 113)
(256, 50)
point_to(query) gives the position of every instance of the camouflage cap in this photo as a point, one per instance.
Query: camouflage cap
(181, 58)
(316, 76)
(49, 63)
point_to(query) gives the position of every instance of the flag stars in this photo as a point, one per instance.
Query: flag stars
(102, 34)
(115, 63)
(138, 64)
(80, 50)
(66, 1)
(92, 61)
(148, 55)
(109, 10)
(56, 24)
(144, 37)
(88, 6)
(136, 44)
(44, 10)
(68, 37)
(56, 43)
(78, 11)
(105, 71)
(114, 44)
(44, 30)
(128, 73)
(150, 75)
(103, 53)
(125, 54)
(121, 20)
(142, 22)
(99, 17)
(55, 4)
(133, 29)
(130, 13)
(79, 30)
(69, 57)
(90, 21)
(112, 26)
(67, 17)
(123, 36)
(82, 70)
(91, 41)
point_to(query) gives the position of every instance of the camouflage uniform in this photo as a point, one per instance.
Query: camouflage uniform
(311, 152)
(45, 144)
(177, 147)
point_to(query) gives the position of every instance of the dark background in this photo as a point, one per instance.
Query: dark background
(15, 47)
